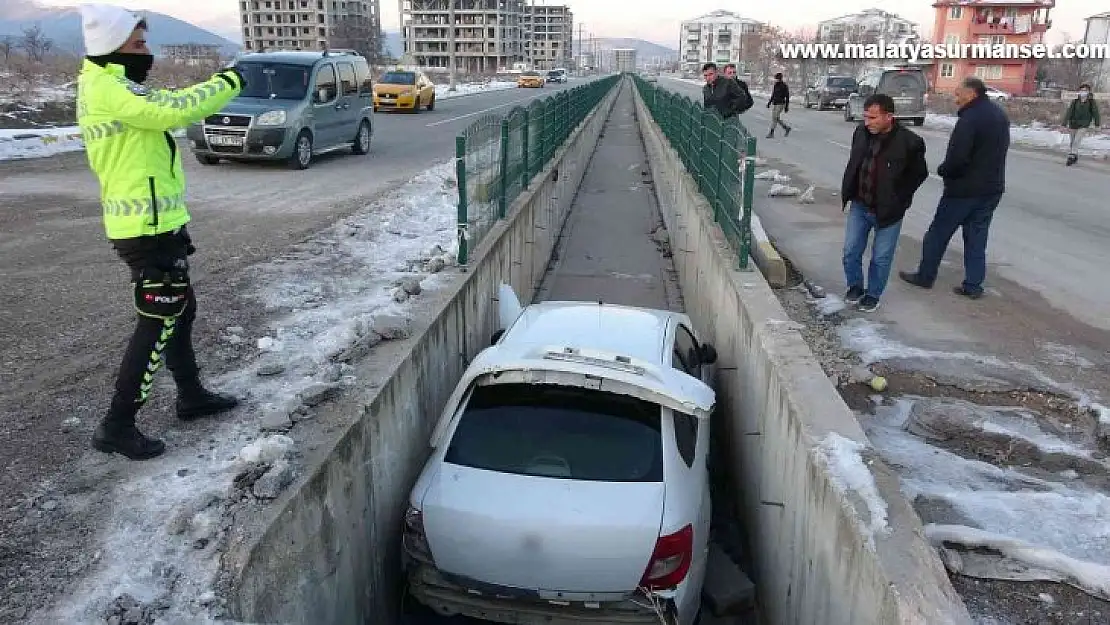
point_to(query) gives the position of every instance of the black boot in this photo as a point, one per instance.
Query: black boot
(125, 439)
(196, 402)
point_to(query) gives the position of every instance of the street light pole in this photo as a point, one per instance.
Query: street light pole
(451, 42)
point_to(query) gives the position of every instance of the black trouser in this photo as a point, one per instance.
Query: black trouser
(155, 339)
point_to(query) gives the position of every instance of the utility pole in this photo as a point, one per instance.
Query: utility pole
(581, 51)
(451, 42)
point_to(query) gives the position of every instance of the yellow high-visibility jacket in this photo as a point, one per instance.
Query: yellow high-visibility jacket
(126, 127)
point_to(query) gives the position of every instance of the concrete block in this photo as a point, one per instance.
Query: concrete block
(766, 257)
(727, 590)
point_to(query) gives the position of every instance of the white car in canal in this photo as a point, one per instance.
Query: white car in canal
(568, 481)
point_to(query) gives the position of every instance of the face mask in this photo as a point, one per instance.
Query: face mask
(136, 67)
(1084, 94)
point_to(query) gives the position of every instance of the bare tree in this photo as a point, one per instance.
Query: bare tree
(1067, 73)
(7, 46)
(358, 33)
(35, 43)
(769, 58)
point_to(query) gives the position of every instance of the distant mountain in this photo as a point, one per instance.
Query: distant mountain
(63, 26)
(644, 49)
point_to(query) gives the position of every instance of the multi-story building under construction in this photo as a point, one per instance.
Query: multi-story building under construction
(489, 34)
(310, 25)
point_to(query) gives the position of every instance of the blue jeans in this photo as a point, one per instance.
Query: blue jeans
(856, 233)
(971, 214)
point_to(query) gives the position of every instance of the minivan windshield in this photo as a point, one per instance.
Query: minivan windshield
(559, 432)
(275, 81)
(398, 78)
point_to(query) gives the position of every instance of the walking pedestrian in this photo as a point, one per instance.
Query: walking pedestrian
(723, 94)
(748, 101)
(1080, 115)
(885, 168)
(974, 173)
(779, 104)
(136, 160)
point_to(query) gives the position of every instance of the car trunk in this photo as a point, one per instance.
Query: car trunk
(541, 533)
(907, 89)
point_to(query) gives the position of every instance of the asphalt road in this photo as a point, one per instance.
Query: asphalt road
(1049, 233)
(64, 319)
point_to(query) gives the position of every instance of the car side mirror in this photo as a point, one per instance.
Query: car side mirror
(496, 337)
(708, 354)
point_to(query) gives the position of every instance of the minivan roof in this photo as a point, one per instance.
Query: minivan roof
(295, 57)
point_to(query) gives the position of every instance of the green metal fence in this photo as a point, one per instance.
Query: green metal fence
(497, 156)
(718, 153)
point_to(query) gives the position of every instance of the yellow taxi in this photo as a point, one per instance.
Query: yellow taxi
(530, 79)
(404, 90)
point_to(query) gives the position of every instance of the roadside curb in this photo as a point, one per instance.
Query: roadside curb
(766, 256)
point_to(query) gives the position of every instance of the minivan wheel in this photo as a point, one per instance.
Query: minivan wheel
(432, 104)
(301, 157)
(361, 144)
(205, 159)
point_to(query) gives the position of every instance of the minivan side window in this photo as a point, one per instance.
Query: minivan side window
(325, 79)
(347, 79)
(365, 82)
(686, 349)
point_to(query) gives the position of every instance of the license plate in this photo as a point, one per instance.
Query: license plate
(225, 140)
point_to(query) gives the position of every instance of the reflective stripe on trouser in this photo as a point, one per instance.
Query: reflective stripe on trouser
(142, 207)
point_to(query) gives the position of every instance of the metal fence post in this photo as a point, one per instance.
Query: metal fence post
(524, 175)
(749, 197)
(503, 183)
(460, 173)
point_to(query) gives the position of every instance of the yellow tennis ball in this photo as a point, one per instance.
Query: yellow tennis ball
(878, 383)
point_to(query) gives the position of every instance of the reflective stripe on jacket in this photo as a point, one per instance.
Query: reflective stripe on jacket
(126, 127)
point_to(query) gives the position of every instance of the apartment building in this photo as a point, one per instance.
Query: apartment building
(310, 24)
(719, 37)
(548, 33)
(624, 59)
(1098, 32)
(990, 22)
(489, 34)
(867, 26)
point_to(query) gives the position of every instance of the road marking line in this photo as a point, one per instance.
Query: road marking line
(846, 147)
(492, 108)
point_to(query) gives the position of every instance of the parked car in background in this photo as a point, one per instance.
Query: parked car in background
(568, 478)
(404, 90)
(997, 95)
(295, 105)
(530, 79)
(905, 84)
(557, 75)
(829, 91)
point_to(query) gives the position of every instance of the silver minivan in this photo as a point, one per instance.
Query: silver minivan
(295, 105)
(906, 85)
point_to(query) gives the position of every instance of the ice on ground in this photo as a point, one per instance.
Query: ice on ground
(161, 543)
(1035, 134)
(783, 190)
(772, 174)
(462, 89)
(849, 473)
(1026, 560)
(828, 305)
(1068, 519)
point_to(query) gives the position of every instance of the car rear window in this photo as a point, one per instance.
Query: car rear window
(898, 81)
(398, 78)
(841, 82)
(559, 432)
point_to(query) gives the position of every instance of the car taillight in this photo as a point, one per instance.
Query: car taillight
(670, 562)
(414, 540)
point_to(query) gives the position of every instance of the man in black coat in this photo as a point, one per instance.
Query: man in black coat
(779, 103)
(725, 95)
(885, 168)
(974, 173)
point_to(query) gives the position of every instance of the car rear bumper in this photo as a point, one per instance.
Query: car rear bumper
(435, 591)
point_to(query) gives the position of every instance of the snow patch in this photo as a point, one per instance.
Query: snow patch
(464, 89)
(1067, 519)
(849, 472)
(828, 305)
(1035, 135)
(39, 143)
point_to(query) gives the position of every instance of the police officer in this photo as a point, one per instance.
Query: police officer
(130, 149)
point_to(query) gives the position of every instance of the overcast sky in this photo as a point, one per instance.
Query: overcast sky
(630, 18)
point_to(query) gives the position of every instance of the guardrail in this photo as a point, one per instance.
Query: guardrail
(497, 155)
(718, 153)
